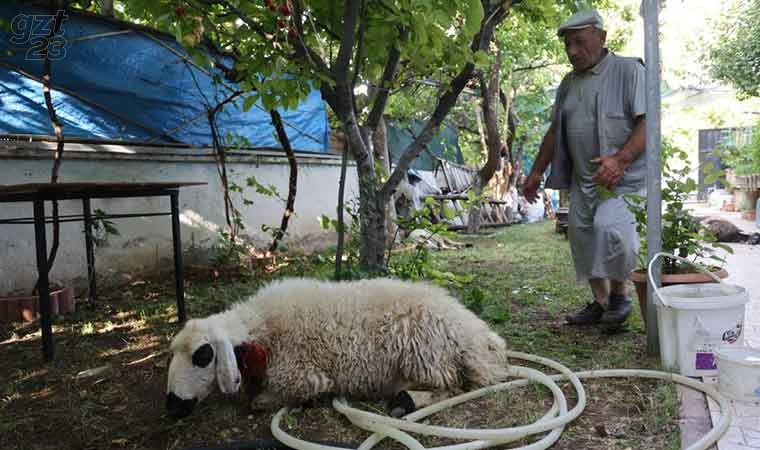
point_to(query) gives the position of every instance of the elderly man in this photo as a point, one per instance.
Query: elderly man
(595, 145)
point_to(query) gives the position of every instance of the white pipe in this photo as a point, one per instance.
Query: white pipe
(487, 438)
(554, 420)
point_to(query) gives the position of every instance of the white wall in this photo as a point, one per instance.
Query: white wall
(146, 242)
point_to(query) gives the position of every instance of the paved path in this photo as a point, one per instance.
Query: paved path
(744, 270)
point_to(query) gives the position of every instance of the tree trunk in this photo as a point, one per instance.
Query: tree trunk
(515, 155)
(57, 128)
(382, 156)
(373, 235)
(493, 140)
(372, 211)
(371, 202)
(341, 222)
(481, 129)
(473, 214)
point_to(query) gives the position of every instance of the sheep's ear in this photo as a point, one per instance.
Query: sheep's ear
(227, 372)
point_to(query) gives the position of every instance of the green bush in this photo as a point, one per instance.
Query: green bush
(682, 234)
(742, 159)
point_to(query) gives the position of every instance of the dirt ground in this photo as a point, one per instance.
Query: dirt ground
(61, 406)
(106, 389)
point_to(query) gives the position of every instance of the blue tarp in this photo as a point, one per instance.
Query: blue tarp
(444, 145)
(133, 86)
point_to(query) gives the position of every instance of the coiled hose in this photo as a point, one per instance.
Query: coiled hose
(553, 421)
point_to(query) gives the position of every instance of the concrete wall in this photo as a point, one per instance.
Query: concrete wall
(146, 242)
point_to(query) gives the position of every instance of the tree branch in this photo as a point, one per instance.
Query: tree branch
(445, 103)
(221, 167)
(106, 8)
(232, 97)
(515, 156)
(241, 15)
(293, 180)
(297, 17)
(306, 52)
(342, 62)
(494, 144)
(383, 90)
(57, 128)
(221, 164)
(325, 28)
(480, 42)
(536, 66)
(503, 99)
(359, 58)
(47, 86)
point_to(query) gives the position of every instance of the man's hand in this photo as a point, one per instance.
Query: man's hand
(610, 171)
(530, 187)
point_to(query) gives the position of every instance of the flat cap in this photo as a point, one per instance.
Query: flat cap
(582, 19)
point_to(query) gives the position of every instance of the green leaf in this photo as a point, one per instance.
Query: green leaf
(481, 59)
(268, 102)
(604, 193)
(249, 102)
(473, 16)
(324, 221)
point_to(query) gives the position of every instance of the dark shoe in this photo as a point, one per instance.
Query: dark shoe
(618, 309)
(589, 315)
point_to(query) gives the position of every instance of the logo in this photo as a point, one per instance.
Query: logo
(733, 335)
(35, 31)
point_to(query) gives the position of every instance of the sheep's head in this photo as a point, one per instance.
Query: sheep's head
(200, 356)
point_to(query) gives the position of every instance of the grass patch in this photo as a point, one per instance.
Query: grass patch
(520, 279)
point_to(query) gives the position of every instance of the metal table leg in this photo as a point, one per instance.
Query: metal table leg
(43, 289)
(89, 249)
(178, 274)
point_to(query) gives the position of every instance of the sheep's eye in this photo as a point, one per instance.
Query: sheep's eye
(203, 356)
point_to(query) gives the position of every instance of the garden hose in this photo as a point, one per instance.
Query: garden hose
(553, 421)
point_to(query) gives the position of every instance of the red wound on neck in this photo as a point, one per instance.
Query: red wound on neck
(252, 361)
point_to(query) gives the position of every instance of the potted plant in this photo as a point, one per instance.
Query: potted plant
(741, 154)
(682, 234)
(18, 307)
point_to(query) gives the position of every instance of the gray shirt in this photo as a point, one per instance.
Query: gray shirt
(595, 112)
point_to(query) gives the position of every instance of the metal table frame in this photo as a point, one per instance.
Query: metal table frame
(38, 194)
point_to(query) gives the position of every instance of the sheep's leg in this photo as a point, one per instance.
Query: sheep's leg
(407, 401)
(266, 401)
(401, 404)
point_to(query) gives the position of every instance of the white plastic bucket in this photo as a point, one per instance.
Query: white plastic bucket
(694, 320)
(739, 373)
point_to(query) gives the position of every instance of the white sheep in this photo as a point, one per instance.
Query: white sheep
(367, 339)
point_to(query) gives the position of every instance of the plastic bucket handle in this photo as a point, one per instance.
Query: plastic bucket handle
(656, 290)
